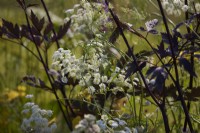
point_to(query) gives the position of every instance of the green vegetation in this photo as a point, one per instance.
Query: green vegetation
(96, 76)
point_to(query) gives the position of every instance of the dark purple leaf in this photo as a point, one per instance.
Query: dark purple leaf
(48, 28)
(62, 31)
(12, 30)
(194, 94)
(132, 68)
(25, 32)
(1, 31)
(38, 40)
(150, 70)
(38, 24)
(165, 38)
(161, 50)
(114, 36)
(197, 56)
(187, 66)
(153, 31)
(158, 71)
(35, 82)
(35, 31)
(190, 36)
(142, 29)
(159, 82)
(21, 3)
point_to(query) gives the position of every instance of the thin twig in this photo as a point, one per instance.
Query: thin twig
(46, 69)
(49, 18)
(167, 129)
(176, 69)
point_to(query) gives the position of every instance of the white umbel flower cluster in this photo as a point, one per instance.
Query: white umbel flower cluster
(89, 70)
(115, 125)
(88, 17)
(37, 119)
(176, 7)
(87, 125)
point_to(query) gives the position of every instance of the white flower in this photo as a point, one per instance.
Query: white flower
(104, 79)
(53, 126)
(82, 82)
(64, 79)
(147, 103)
(36, 121)
(113, 124)
(25, 111)
(76, 6)
(29, 104)
(29, 96)
(89, 117)
(87, 77)
(104, 117)
(150, 25)
(197, 7)
(91, 89)
(102, 124)
(102, 86)
(95, 128)
(69, 11)
(170, 9)
(117, 69)
(43, 112)
(96, 81)
(177, 12)
(185, 8)
(121, 122)
(134, 130)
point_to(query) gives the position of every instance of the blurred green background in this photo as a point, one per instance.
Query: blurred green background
(16, 62)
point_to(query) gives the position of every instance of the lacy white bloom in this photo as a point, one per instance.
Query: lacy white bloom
(87, 125)
(185, 8)
(197, 7)
(91, 89)
(113, 123)
(37, 121)
(174, 7)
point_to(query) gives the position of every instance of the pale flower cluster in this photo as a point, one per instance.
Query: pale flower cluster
(115, 125)
(177, 7)
(90, 68)
(37, 119)
(104, 125)
(88, 17)
(87, 125)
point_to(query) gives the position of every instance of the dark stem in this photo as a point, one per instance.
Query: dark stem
(192, 65)
(132, 54)
(176, 70)
(49, 18)
(58, 46)
(21, 44)
(161, 105)
(165, 118)
(46, 70)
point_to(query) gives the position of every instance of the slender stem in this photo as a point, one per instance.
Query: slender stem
(132, 54)
(176, 70)
(46, 70)
(58, 46)
(192, 65)
(161, 106)
(165, 118)
(49, 18)
(21, 44)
